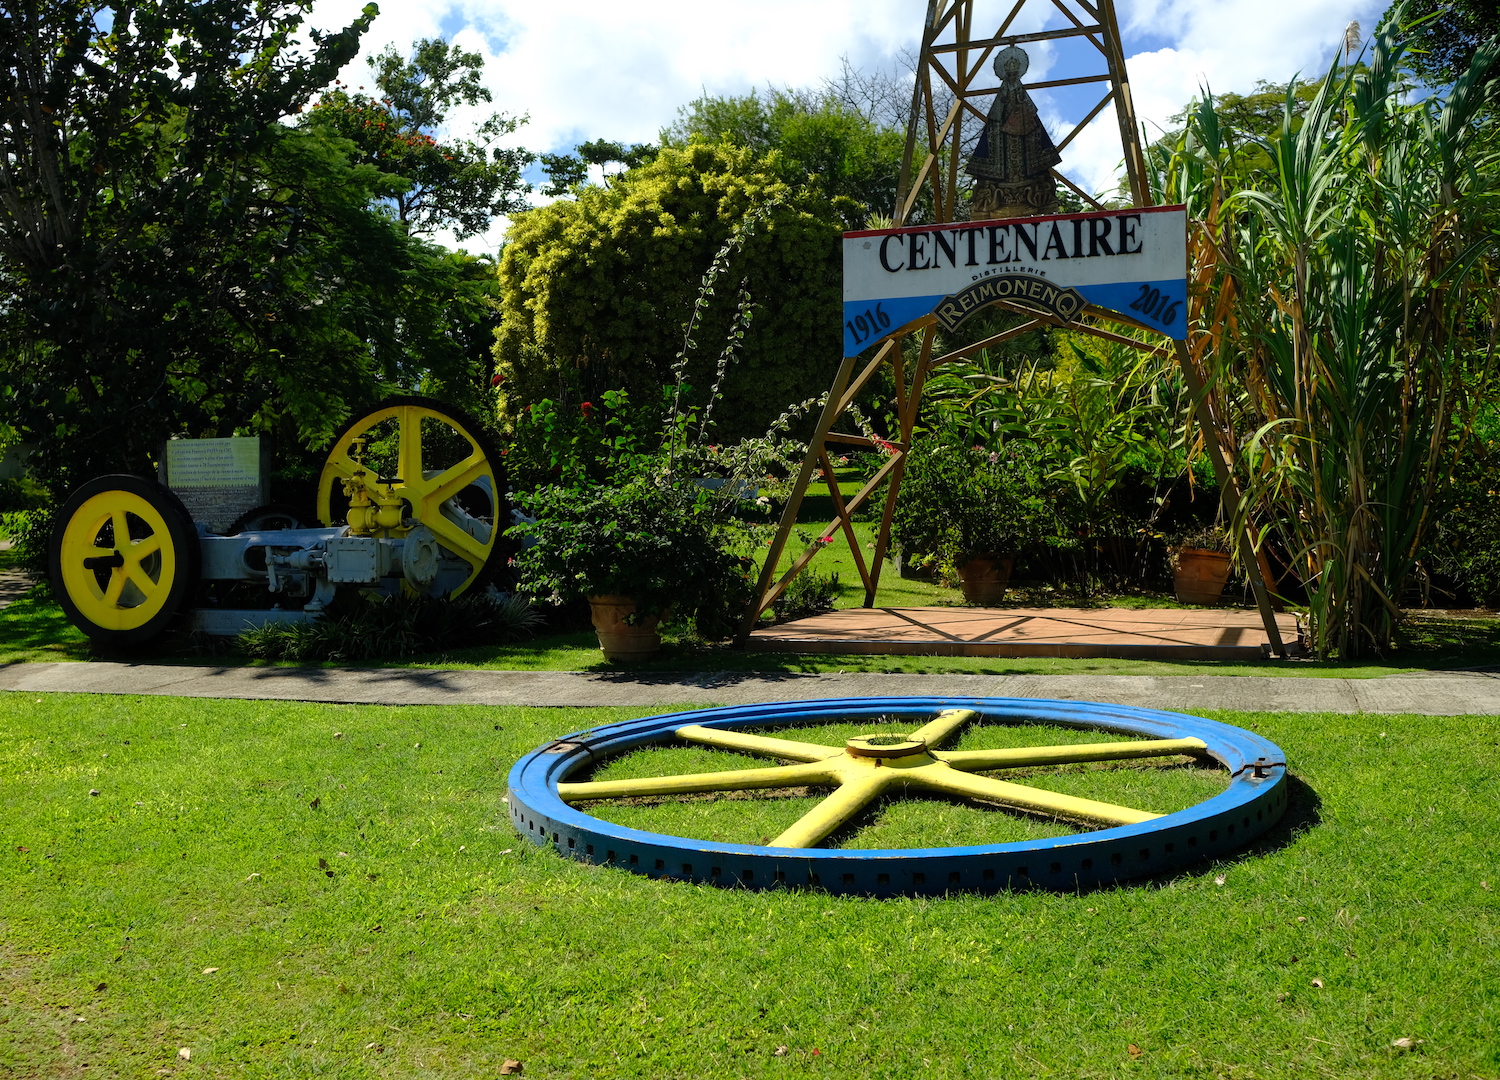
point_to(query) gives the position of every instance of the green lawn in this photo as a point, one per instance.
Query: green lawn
(293, 890)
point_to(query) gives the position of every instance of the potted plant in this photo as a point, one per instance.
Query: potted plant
(1200, 565)
(634, 551)
(972, 507)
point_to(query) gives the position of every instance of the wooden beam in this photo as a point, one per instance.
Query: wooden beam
(844, 515)
(922, 173)
(867, 374)
(1076, 190)
(807, 555)
(1065, 82)
(1130, 140)
(859, 440)
(898, 463)
(1086, 120)
(760, 601)
(1229, 492)
(1077, 22)
(1021, 39)
(994, 339)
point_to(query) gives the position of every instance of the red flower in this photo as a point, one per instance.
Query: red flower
(587, 408)
(497, 380)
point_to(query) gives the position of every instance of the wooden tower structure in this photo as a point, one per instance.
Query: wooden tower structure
(953, 82)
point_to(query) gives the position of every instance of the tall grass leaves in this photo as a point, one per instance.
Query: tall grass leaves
(1345, 316)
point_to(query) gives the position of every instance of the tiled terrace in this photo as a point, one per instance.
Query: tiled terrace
(1178, 634)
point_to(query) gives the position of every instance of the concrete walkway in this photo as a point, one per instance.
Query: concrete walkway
(13, 583)
(1432, 693)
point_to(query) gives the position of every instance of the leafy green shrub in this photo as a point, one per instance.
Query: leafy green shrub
(392, 627)
(29, 531)
(959, 501)
(1464, 545)
(810, 593)
(653, 541)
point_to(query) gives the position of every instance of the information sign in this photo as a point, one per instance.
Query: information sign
(216, 479)
(1130, 261)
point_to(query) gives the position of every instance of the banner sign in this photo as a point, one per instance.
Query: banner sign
(1130, 261)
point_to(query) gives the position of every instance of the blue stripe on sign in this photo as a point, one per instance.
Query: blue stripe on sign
(867, 321)
(1161, 304)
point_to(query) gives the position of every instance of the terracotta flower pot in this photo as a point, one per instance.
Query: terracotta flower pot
(1199, 575)
(984, 577)
(621, 641)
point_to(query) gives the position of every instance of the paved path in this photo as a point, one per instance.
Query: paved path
(1433, 693)
(13, 583)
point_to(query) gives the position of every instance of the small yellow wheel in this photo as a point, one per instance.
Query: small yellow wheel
(124, 559)
(444, 468)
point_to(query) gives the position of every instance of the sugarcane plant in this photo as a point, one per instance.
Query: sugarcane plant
(1344, 315)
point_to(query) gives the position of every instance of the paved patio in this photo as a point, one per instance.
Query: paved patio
(1157, 633)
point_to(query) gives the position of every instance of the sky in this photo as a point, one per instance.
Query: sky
(593, 69)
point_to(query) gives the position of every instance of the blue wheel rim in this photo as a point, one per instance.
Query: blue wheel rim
(1253, 802)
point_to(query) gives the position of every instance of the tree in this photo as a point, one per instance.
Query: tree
(1446, 35)
(569, 171)
(179, 261)
(596, 290)
(820, 139)
(456, 183)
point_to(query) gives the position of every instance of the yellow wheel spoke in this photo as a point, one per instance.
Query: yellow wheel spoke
(775, 776)
(450, 482)
(1023, 797)
(826, 818)
(409, 455)
(140, 550)
(139, 578)
(943, 726)
(456, 540)
(122, 530)
(1014, 758)
(115, 587)
(758, 744)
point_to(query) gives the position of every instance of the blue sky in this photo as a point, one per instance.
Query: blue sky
(604, 69)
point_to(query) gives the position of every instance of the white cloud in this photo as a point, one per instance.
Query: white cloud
(602, 69)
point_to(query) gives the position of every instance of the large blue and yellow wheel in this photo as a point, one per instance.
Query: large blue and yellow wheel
(1104, 842)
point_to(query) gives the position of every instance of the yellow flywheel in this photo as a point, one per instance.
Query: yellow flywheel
(438, 460)
(124, 559)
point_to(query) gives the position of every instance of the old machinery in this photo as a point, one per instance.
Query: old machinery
(410, 499)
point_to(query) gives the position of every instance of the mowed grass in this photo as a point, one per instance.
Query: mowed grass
(349, 874)
(911, 820)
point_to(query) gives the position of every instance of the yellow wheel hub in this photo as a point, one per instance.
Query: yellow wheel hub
(430, 456)
(118, 561)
